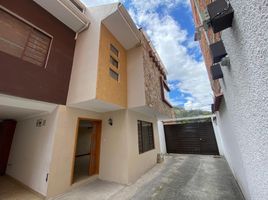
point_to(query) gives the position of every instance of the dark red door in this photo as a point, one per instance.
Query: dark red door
(7, 129)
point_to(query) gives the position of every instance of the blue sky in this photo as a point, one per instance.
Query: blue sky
(170, 27)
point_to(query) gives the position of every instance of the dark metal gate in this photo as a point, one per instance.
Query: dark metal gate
(191, 138)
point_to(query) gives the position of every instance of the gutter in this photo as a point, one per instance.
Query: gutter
(77, 14)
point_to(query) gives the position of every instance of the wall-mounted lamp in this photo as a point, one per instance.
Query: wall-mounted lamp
(110, 121)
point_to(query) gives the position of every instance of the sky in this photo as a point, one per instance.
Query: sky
(169, 24)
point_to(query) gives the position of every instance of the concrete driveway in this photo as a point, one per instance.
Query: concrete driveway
(181, 177)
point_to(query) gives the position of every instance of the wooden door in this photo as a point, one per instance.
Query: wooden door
(95, 149)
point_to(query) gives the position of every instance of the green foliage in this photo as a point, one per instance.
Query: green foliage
(181, 113)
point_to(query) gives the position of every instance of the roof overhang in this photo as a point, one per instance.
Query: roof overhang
(12, 107)
(120, 24)
(67, 12)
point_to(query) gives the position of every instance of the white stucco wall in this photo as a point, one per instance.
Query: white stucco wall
(162, 139)
(244, 119)
(218, 136)
(135, 80)
(31, 152)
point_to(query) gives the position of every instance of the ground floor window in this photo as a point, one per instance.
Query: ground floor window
(146, 136)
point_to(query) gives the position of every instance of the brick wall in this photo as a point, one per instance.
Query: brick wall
(215, 85)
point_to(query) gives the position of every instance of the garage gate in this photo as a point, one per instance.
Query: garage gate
(191, 138)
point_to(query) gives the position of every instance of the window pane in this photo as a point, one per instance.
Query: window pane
(113, 61)
(114, 75)
(21, 40)
(146, 136)
(114, 50)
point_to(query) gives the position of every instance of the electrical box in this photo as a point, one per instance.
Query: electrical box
(216, 72)
(221, 15)
(217, 51)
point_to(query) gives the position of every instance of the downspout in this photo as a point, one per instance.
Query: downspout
(81, 30)
(201, 19)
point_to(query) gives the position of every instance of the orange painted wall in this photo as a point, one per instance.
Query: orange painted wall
(108, 89)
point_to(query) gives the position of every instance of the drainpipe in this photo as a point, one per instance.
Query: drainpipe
(82, 29)
(201, 19)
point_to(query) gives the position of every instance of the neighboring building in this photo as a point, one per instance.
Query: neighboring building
(82, 90)
(241, 96)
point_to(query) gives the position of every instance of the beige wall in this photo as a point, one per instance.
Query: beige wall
(108, 89)
(64, 144)
(120, 160)
(136, 82)
(31, 152)
(114, 147)
(138, 164)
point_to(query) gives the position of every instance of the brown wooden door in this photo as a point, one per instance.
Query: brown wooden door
(95, 149)
(7, 129)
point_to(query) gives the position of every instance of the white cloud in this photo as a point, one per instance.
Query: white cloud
(168, 38)
(172, 44)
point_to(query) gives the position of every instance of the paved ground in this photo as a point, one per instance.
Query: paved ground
(181, 177)
(11, 190)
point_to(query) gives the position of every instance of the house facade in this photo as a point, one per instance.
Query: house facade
(240, 88)
(81, 95)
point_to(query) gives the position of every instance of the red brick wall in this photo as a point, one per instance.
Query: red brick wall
(215, 85)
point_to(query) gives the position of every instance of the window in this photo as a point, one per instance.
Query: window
(23, 41)
(114, 62)
(114, 69)
(146, 136)
(165, 91)
(114, 50)
(114, 75)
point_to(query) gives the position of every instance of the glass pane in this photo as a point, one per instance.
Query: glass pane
(114, 50)
(113, 61)
(114, 75)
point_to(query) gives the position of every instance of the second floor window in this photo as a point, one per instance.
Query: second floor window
(165, 91)
(114, 50)
(19, 39)
(114, 75)
(114, 63)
